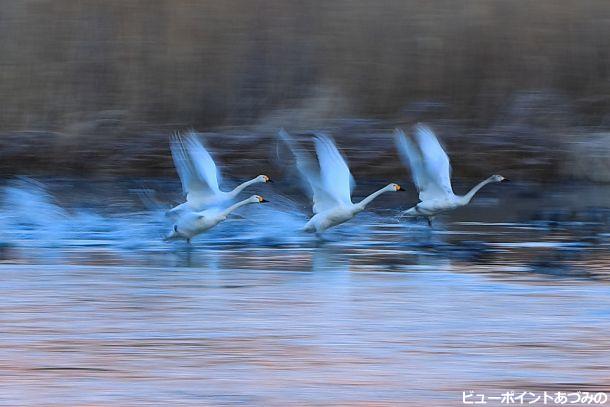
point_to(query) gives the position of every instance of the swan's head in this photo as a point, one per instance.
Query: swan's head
(498, 178)
(395, 187)
(264, 178)
(257, 199)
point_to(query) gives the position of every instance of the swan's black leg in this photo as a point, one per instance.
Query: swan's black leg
(429, 219)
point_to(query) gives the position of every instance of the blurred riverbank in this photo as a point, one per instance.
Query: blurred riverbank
(524, 147)
(95, 87)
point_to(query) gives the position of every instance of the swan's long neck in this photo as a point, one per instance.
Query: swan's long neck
(362, 204)
(235, 206)
(466, 198)
(243, 186)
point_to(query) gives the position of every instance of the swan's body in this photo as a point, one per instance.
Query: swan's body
(330, 186)
(200, 177)
(191, 223)
(431, 173)
(329, 218)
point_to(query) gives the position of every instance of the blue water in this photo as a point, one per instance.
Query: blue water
(511, 293)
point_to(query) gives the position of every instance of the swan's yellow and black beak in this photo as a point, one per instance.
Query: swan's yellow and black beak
(505, 180)
(399, 188)
(262, 200)
(267, 179)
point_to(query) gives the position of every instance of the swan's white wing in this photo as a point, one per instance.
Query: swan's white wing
(435, 160)
(411, 157)
(195, 166)
(203, 162)
(182, 162)
(426, 181)
(334, 172)
(310, 173)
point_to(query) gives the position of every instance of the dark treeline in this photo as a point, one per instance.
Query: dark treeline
(219, 62)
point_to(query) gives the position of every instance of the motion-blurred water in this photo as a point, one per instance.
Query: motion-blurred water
(510, 293)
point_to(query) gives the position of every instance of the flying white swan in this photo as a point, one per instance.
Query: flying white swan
(331, 184)
(199, 176)
(191, 223)
(431, 173)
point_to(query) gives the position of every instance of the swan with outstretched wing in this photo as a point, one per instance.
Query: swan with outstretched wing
(431, 173)
(200, 177)
(330, 183)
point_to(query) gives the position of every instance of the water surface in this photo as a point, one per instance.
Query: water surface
(511, 293)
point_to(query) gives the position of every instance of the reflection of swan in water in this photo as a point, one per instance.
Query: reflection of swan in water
(200, 177)
(330, 185)
(431, 174)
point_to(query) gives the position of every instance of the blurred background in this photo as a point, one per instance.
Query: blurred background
(509, 293)
(79, 78)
